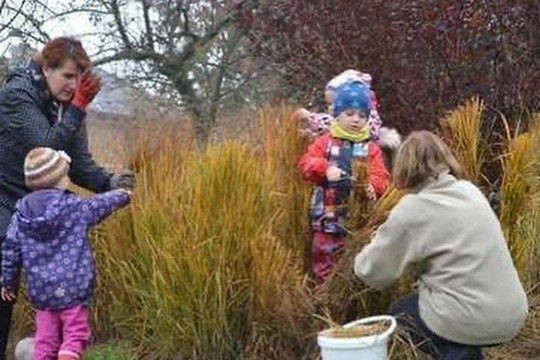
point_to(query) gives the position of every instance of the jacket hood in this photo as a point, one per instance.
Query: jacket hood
(32, 73)
(39, 213)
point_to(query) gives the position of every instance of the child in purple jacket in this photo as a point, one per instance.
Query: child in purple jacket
(48, 237)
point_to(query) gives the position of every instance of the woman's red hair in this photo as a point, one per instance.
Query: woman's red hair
(60, 49)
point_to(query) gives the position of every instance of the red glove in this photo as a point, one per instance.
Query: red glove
(87, 89)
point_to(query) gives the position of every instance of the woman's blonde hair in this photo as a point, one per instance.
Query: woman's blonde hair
(421, 156)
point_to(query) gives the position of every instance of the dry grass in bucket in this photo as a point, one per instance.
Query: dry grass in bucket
(358, 330)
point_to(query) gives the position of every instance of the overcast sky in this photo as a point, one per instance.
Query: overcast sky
(78, 25)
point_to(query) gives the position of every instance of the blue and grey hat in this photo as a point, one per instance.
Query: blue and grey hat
(352, 95)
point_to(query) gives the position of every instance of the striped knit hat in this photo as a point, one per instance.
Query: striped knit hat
(45, 168)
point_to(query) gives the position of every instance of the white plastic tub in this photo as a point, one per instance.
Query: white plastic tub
(373, 347)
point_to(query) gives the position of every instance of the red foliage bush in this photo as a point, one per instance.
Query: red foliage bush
(425, 56)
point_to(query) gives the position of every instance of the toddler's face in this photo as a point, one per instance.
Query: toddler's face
(352, 120)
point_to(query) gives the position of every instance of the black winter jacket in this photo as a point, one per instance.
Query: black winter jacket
(29, 118)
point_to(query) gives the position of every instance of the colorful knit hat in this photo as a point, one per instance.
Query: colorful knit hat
(319, 122)
(348, 76)
(352, 95)
(45, 168)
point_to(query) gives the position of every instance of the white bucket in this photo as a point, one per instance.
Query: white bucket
(374, 347)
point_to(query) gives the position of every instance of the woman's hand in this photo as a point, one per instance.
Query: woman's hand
(123, 180)
(7, 294)
(87, 88)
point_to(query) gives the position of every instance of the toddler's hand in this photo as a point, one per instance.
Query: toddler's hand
(7, 294)
(127, 191)
(333, 173)
(371, 194)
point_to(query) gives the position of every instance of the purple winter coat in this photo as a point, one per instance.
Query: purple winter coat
(48, 237)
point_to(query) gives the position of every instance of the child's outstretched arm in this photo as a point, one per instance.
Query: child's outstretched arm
(98, 207)
(313, 164)
(378, 175)
(11, 262)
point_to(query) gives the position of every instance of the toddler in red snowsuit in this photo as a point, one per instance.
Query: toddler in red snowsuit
(328, 163)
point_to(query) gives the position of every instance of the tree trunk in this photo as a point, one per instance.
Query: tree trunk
(195, 104)
(215, 98)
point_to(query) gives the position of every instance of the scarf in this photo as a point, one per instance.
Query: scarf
(339, 132)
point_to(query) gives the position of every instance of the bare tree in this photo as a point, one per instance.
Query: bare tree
(193, 47)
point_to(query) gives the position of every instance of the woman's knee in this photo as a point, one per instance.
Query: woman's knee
(407, 305)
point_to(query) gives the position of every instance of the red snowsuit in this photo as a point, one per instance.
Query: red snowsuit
(328, 208)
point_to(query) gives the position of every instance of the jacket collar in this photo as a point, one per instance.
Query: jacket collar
(38, 80)
(443, 179)
(36, 73)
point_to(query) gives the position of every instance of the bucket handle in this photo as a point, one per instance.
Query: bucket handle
(387, 333)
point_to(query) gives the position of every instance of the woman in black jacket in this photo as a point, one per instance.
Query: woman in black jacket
(44, 105)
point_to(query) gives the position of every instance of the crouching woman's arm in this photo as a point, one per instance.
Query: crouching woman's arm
(382, 262)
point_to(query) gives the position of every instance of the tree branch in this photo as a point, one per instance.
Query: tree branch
(119, 24)
(77, 11)
(147, 24)
(45, 6)
(10, 21)
(185, 16)
(2, 5)
(215, 31)
(216, 93)
(131, 55)
(36, 24)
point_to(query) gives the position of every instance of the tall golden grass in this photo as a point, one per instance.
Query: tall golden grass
(462, 131)
(195, 267)
(278, 147)
(519, 204)
(520, 208)
(519, 190)
(210, 260)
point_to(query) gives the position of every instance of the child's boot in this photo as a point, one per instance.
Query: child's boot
(25, 349)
